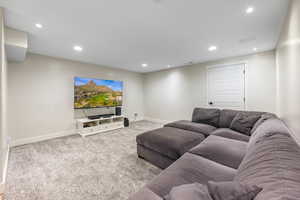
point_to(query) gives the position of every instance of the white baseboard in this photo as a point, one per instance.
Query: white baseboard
(2, 184)
(24, 141)
(136, 120)
(162, 121)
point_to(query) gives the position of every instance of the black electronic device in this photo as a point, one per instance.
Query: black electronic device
(118, 111)
(126, 122)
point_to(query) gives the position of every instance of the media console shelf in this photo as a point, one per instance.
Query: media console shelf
(87, 127)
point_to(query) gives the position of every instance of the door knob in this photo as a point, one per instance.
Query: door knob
(210, 103)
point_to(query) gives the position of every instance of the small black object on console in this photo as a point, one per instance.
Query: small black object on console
(126, 122)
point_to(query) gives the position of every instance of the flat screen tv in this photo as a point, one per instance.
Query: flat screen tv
(96, 93)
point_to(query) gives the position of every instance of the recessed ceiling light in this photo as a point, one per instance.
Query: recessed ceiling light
(250, 10)
(212, 48)
(254, 49)
(39, 25)
(78, 48)
(144, 65)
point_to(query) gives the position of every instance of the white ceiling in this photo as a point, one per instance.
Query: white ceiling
(126, 33)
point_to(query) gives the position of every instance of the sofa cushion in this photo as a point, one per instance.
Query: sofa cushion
(226, 116)
(222, 150)
(188, 169)
(145, 194)
(195, 191)
(206, 116)
(232, 190)
(155, 158)
(231, 134)
(244, 122)
(272, 162)
(169, 141)
(192, 126)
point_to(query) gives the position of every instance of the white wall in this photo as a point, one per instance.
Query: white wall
(288, 70)
(16, 44)
(172, 94)
(41, 95)
(41, 92)
(16, 38)
(3, 103)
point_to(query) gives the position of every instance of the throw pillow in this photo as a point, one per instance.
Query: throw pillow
(232, 191)
(244, 122)
(206, 116)
(195, 191)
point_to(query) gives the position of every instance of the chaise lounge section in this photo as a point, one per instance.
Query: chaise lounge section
(163, 146)
(270, 158)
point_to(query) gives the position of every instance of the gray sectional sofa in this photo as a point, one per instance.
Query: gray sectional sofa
(253, 148)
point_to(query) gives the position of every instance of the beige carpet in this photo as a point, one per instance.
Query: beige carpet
(103, 167)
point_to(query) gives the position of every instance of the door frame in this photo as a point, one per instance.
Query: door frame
(242, 62)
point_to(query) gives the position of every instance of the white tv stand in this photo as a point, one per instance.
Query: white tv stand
(87, 126)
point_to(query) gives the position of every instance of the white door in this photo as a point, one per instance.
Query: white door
(226, 86)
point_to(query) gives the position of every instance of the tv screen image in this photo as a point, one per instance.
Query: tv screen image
(95, 93)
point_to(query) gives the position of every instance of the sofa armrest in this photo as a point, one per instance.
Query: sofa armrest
(222, 150)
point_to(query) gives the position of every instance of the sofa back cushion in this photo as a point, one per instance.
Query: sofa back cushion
(270, 126)
(262, 119)
(244, 123)
(226, 116)
(206, 116)
(272, 162)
